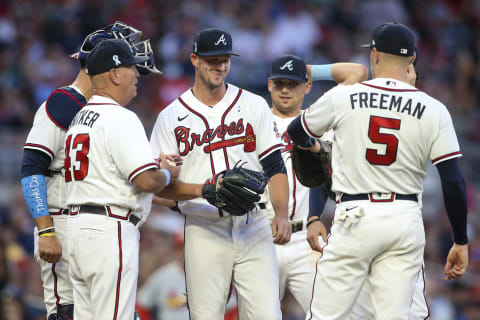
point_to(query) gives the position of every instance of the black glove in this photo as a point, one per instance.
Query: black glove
(313, 169)
(238, 191)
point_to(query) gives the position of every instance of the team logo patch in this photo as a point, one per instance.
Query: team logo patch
(116, 60)
(221, 40)
(288, 65)
(403, 51)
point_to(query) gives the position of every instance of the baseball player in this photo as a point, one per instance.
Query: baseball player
(288, 84)
(385, 130)
(110, 173)
(43, 182)
(213, 126)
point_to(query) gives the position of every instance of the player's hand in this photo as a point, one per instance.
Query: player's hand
(314, 230)
(411, 75)
(457, 261)
(172, 158)
(281, 230)
(315, 148)
(168, 162)
(49, 249)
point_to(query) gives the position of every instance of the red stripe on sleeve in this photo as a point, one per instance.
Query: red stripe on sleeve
(147, 166)
(39, 146)
(457, 153)
(306, 127)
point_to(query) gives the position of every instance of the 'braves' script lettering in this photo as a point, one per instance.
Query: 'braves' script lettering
(186, 140)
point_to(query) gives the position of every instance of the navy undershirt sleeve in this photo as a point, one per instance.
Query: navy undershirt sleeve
(34, 162)
(455, 198)
(298, 135)
(273, 164)
(318, 197)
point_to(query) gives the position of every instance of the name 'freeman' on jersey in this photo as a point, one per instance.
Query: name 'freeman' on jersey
(386, 101)
(85, 117)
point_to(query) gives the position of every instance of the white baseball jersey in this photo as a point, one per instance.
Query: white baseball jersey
(239, 128)
(106, 149)
(377, 124)
(221, 249)
(47, 135)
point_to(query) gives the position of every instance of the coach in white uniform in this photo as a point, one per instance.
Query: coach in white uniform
(213, 126)
(109, 170)
(385, 132)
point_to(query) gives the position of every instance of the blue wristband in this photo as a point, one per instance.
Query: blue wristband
(167, 176)
(35, 194)
(321, 72)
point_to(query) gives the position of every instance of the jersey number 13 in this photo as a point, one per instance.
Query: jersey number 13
(80, 164)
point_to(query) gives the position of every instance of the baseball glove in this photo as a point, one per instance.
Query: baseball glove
(237, 192)
(313, 169)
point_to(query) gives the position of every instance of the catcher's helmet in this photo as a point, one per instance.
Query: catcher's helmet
(144, 48)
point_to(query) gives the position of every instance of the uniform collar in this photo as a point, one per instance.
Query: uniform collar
(98, 100)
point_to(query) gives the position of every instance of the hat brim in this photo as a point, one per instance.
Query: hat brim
(287, 76)
(216, 53)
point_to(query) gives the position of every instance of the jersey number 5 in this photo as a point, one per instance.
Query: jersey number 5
(79, 171)
(390, 140)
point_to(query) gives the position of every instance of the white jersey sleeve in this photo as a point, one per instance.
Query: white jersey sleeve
(320, 116)
(445, 145)
(131, 152)
(163, 136)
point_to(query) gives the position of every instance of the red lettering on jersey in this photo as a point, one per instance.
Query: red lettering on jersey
(288, 144)
(187, 140)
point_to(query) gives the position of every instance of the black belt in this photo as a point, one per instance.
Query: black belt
(59, 212)
(370, 196)
(296, 226)
(102, 211)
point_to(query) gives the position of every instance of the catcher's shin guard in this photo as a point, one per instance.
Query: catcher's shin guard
(65, 312)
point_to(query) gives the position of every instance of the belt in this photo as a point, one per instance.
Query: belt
(296, 226)
(371, 197)
(106, 212)
(59, 212)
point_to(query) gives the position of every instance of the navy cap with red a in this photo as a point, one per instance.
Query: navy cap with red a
(394, 38)
(213, 42)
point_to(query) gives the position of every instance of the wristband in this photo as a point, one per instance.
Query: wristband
(48, 234)
(46, 230)
(321, 72)
(312, 221)
(35, 194)
(167, 176)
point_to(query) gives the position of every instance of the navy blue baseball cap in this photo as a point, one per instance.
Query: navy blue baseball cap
(213, 42)
(109, 54)
(394, 38)
(289, 67)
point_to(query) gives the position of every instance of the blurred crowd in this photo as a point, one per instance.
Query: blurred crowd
(37, 36)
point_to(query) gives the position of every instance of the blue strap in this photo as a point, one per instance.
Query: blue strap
(35, 194)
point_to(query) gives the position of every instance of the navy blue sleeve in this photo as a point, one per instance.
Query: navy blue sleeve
(317, 199)
(298, 135)
(273, 164)
(34, 162)
(455, 198)
(63, 105)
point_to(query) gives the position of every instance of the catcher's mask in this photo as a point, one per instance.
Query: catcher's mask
(118, 30)
(144, 48)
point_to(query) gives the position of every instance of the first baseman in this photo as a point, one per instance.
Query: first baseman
(385, 131)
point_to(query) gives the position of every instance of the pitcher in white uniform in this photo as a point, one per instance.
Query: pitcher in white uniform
(213, 126)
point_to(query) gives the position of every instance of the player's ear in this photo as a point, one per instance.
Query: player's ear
(270, 84)
(114, 75)
(308, 86)
(194, 59)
